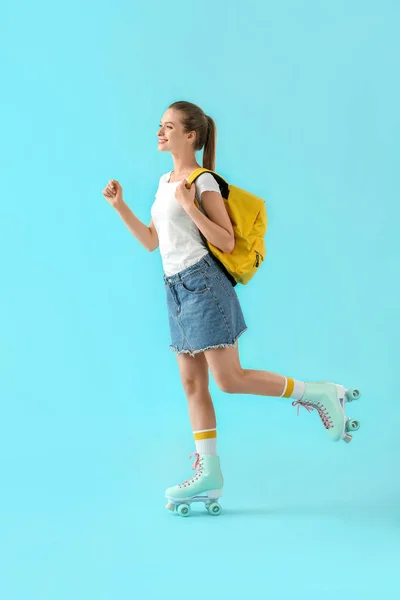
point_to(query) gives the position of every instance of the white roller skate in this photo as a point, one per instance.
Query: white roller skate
(329, 400)
(205, 486)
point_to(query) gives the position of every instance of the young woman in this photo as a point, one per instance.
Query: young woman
(205, 315)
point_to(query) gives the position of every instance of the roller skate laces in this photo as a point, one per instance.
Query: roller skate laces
(198, 463)
(322, 411)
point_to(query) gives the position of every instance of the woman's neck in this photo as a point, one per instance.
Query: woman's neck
(184, 163)
(184, 170)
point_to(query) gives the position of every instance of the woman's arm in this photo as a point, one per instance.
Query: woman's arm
(147, 236)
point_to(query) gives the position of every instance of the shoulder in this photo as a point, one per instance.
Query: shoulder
(205, 177)
(206, 180)
(165, 177)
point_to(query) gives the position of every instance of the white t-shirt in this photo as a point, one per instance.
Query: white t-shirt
(181, 242)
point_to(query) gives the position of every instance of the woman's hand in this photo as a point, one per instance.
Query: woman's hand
(185, 195)
(113, 193)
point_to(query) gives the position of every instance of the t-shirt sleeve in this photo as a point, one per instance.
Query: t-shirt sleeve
(164, 178)
(205, 183)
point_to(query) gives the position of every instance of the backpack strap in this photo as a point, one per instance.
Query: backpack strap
(224, 189)
(223, 185)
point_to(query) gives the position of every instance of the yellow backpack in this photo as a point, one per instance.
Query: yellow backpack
(249, 219)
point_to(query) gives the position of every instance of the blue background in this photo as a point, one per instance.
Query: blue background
(94, 423)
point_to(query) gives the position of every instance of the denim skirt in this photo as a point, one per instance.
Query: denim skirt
(203, 308)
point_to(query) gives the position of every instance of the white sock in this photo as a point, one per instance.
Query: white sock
(206, 441)
(293, 389)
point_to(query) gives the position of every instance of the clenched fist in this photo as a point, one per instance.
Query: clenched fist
(113, 193)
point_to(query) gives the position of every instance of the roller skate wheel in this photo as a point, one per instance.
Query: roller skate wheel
(170, 506)
(352, 425)
(347, 438)
(353, 394)
(214, 508)
(183, 510)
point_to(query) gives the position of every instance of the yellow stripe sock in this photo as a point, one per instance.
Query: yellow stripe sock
(206, 441)
(293, 389)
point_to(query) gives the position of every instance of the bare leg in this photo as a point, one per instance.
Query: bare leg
(229, 375)
(195, 381)
(261, 383)
(206, 485)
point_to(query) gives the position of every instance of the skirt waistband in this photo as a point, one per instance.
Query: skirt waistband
(205, 262)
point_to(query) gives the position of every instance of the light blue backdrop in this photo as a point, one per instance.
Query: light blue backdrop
(94, 422)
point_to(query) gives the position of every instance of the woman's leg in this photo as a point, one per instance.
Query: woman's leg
(195, 381)
(208, 481)
(328, 398)
(230, 377)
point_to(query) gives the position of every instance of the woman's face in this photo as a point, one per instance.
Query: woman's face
(171, 130)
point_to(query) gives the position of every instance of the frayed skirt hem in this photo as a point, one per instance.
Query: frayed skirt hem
(192, 353)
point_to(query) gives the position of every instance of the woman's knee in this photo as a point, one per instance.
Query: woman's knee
(194, 373)
(193, 386)
(227, 384)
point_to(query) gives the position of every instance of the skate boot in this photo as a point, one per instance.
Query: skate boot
(205, 486)
(329, 400)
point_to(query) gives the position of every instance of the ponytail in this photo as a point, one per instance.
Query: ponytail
(210, 145)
